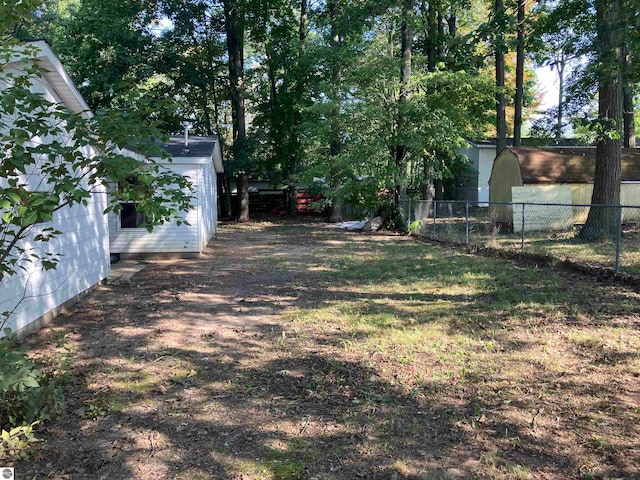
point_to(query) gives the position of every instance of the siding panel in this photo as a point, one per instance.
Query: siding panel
(171, 238)
(485, 164)
(83, 262)
(208, 202)
(83, 244)
(559, 217)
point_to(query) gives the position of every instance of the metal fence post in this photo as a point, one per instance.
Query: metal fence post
(435, 216)
(466, 223)
(523, 220)
(618, 240)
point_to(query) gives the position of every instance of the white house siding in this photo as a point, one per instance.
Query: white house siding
(168, 238)
(208, 205)
(83, 250)
(481, 162)
(487, 155)
(32, 294)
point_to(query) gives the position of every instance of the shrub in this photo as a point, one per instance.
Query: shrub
(415, 227)
(28, 396)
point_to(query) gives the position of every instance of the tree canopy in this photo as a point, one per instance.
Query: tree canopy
(363, 96)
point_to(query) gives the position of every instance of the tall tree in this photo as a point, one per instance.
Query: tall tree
(560, 64)
(629, 76)
(602, 222)
(400, 149)
(279, 31)
(500, 47)
(520, 53)
(335, 142)
(234, 24)
(191, 66)
(628, 93)
(189, 57)
(562, 38)
(106, 46)
(299, 91)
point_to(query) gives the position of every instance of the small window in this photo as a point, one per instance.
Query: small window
(130, 217)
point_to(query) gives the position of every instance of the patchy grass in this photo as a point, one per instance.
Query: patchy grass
(293, 351)
(556, 244)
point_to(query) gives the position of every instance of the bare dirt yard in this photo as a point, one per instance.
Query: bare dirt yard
(296, 351)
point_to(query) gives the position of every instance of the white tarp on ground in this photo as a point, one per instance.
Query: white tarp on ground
(352, 225)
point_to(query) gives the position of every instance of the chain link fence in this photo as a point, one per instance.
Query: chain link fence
(611, 239)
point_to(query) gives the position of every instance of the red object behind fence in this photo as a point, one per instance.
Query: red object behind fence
(304, 202)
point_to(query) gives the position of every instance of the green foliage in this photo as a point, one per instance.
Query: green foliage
(188, 66)
(415, 227)
(18, 442)
(372, 122)
(13, 12)
(28, 397)
(108, 42)
(320, 108)
(281, 80)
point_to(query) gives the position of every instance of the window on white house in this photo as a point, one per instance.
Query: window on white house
(130, 217)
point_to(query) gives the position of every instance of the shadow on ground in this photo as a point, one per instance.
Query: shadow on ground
(203, 369)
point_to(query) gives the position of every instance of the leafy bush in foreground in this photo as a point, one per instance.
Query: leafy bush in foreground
(28, 396)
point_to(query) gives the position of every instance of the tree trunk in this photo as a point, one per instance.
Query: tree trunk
(335, 146)
(519, 100)
(441, 42)
(432, 30)
(228, 209)
(302, 27)
(208, 122)
(400, 151)
(603, 222)
(226, 200)
(500, 47)
(560, 64)
(235, 47)
(243, 197)
(335, 212)
(407, 44)
(452, 23)
(292, 200)
(428, 187)
(627, 102)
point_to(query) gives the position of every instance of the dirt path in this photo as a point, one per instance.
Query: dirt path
(189, 371)
(197, 370)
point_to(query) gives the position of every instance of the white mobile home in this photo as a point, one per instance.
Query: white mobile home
(33, 295)
(199, 159)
